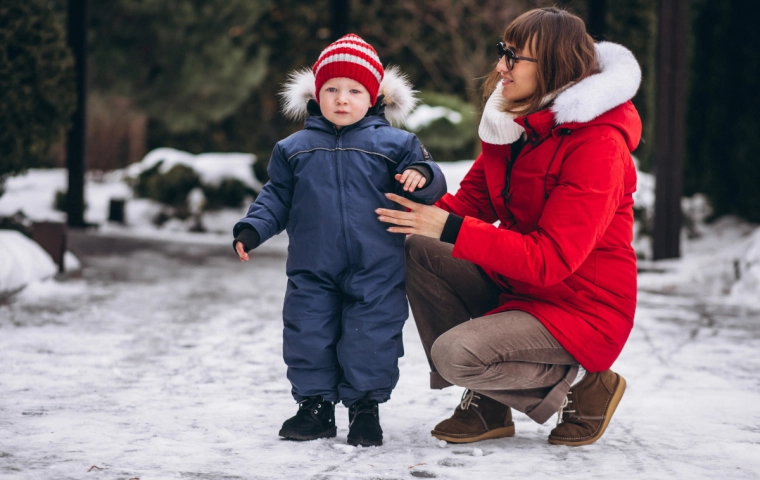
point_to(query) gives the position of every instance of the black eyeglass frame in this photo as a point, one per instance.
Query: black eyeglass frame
(511, 56)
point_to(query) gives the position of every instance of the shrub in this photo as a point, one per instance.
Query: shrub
(447, 141)
(19, 222)
(230, 192)
(37, 88)
(170, 188)
(60, 202)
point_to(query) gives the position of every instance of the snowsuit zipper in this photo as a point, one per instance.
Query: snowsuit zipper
(342, 197)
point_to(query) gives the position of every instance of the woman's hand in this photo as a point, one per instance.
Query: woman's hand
(424, 220)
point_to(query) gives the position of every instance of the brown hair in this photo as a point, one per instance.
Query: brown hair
(565, 53)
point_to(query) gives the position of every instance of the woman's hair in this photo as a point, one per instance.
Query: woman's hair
(565, 53)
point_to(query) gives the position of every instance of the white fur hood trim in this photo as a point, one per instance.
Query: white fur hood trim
(617, 83)
(399, 100)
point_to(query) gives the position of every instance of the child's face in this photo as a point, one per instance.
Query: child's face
(343, 101)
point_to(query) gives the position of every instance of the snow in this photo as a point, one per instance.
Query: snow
(746, 290)
(160, 357)
(424, 115)
(163, 361)
(211, 167)
(22, 261)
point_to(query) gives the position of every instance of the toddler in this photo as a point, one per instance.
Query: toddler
(345, 303)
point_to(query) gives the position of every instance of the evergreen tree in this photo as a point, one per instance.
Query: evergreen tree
(633, 24)
(294, 33)
(37, 94)
(186, 62)
(722, 120)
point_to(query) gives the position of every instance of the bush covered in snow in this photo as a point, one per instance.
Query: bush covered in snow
(230, 193)
(170, 188)
(445, 125)
(168, 176)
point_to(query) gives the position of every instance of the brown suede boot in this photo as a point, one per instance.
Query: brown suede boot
(587, 409)
(476, 418)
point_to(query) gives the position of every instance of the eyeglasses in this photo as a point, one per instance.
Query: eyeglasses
(504, 51)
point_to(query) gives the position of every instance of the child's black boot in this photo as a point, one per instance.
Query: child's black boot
(315, 419)
(364, 427)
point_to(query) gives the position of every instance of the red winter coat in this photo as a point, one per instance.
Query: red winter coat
(562, 251)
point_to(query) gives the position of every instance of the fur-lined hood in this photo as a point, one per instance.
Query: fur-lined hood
(582, 102)
(399, 98)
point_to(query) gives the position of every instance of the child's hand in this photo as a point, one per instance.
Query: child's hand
(411, 179)
(240, 249)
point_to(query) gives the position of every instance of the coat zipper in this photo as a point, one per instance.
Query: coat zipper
(341, 199)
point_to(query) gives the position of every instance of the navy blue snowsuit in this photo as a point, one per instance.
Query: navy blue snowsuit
(345, 303)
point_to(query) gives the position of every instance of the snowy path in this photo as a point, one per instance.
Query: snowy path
(163, 361)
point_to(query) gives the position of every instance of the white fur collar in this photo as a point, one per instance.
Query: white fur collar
(399, 100)
(617, 83)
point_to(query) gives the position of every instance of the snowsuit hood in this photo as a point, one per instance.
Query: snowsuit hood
(398, 97)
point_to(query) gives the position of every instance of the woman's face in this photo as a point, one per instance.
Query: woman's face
(522, 81)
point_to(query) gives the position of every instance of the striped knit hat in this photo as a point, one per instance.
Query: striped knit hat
(350, 57)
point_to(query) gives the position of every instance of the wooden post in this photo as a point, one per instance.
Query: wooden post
(597, 18)
(75, 145)
(670, 126)
(51, 236)
(116, 210)
(340, 18)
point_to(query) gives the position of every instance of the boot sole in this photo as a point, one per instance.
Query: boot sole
(364, 443)
(303, 438)
(616, 396)
(500, 432)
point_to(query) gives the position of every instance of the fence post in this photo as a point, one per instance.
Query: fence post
(51, 236)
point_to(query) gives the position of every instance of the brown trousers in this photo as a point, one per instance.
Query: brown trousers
(507, 356)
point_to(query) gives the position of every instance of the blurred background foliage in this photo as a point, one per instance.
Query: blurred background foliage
(37, 95)
(723, 123)
(203, 76)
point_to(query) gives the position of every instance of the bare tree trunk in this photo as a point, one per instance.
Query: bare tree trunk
(75, 146)
(670, 127)
(597, 18)
(340, 17)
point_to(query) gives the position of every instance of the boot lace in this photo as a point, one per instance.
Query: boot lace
(467, 399)
(562, 407)
(363, 406)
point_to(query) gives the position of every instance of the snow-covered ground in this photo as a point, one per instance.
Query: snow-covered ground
(162, 360)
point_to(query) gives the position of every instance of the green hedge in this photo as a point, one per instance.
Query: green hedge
(172, 188)
(37, 89)
(447, 141)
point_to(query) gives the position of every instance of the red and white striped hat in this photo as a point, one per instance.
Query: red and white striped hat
(350, 57)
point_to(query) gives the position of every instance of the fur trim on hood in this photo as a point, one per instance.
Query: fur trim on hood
(399, 99)
(617, 83)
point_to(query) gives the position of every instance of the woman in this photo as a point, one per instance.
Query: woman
(531, 314)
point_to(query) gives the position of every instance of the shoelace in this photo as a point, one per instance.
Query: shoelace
(362, 408)
(467, 398)
(562, 410)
